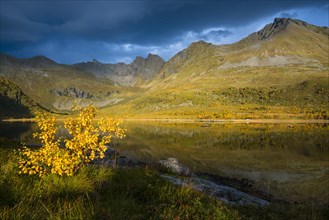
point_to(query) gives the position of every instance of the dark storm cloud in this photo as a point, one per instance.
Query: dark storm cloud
(32, 27)
(95, 20)
(202, 14)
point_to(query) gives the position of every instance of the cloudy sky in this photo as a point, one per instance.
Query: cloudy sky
(117, 31)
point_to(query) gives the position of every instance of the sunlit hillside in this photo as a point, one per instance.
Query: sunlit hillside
(280, 71)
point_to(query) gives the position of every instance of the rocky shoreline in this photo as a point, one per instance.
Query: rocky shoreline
(178, 174)
(183, 176)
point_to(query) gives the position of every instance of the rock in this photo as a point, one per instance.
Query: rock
(224, 193)
(125, 74)
(72, 92)
(175, 166)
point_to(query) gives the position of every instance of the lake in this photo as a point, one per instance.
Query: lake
(289, 161)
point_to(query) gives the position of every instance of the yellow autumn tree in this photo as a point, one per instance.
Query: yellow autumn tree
(87, 144)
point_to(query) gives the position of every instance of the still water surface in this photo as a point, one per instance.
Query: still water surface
(289, 161)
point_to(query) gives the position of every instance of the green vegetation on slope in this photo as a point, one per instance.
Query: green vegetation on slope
(266, 75)
(285, 92)
(14, 103)
(57, 87)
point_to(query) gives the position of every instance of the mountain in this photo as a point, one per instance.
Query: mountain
(279, 71)
(37, 61)
(283, 42)
(125, 74)
(55, 86)
(282, 24)
(282, 67)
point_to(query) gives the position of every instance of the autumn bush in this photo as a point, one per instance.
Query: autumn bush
(88, 143)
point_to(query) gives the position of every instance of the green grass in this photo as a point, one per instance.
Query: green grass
(101, 193)
(104, 193)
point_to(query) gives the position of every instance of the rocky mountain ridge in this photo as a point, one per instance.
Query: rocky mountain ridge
(281, 24)
(125, 74)
(141, 69)
(36, 61)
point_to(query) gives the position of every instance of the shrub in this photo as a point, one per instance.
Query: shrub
(87, 144)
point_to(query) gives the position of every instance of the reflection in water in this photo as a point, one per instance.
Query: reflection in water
(18, 131)
(289, 161)
(286, 160)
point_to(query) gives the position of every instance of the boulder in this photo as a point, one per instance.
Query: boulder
(177, 168)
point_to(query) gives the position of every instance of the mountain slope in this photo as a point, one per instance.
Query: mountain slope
(56, 86)
(285, 41)
(125, 74)
(283, 65)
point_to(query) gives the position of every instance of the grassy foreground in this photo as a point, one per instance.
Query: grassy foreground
(101, 193)
(104, 193)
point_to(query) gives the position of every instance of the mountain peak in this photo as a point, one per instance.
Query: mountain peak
(149, 59)
(153, 56)
(284, 22)
(281, 21)
(41, 59)
(200, 43)
(36, 61)
(5, 58)
(279, 25)
(95, 61)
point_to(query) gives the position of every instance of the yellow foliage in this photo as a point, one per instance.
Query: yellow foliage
(87, 144)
